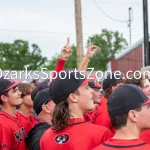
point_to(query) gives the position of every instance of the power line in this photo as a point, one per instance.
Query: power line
(49, 32)
(29, 31)
(29, 1)
(122, 3)
(123, 21)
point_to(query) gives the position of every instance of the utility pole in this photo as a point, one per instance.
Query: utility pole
(79, 38)
(129, 25)
(146, 36)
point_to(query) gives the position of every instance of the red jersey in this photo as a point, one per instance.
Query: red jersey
(12, 133)
(80, 135)
(28, 122)
(100, 115)
(145, 136)
(117, 144)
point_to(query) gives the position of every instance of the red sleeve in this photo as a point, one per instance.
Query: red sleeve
(145, 136)
(5, 137)
(107, 135)
(101, 116)
(103, 120)
(59, 67)
(33, 120)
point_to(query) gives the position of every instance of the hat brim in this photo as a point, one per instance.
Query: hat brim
(13, 85)
(147, 102)
(88, 79)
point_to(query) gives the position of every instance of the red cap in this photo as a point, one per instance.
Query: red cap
(13, 85)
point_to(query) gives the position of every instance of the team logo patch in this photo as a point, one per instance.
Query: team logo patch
(62, 138)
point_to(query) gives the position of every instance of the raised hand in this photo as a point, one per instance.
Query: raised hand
(91, 51)
(66, 51)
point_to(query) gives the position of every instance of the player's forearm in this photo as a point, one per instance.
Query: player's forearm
(84, 64)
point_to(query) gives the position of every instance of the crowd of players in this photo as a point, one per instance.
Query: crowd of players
(76, 113)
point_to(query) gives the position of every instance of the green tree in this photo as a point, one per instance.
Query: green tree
(52, 62)
(110, 43)
(72, 60)
(18, 55)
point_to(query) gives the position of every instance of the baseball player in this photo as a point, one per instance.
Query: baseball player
(25, 110)
(144, 84)
(40, 95)
(129, 110)
(35, 82)
(100, 113)
(12, 132)
(43, 107)
(73, 97)
(139, 81)
(95, 85)
(66, 52)
(145, 135)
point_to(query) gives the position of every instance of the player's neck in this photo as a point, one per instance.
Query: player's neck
(9, 109)
(26, 111)
(75, 112)
(127, 133)
(45, 118)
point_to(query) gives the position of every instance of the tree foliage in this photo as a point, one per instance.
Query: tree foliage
(72, 60)
(70, 63)
(18, 55)
(110, 43)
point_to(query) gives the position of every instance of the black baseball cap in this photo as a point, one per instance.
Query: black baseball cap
(94, 84)
(66, 83)
(7, 84)
(111, 80)
(41, 86)
(125, 98)
(41, 98)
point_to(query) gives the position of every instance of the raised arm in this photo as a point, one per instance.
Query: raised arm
(65, 53)
(89, 54)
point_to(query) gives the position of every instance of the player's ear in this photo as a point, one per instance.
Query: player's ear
(4, 98)
(73, 97)
(46, 108)
(114, 87)
(133, 115)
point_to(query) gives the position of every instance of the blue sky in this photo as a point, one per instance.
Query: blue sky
(48, 23)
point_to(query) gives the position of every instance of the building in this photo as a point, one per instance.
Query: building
(129, 60)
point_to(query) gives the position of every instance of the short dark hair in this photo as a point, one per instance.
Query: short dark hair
(136, 80)
(25, 89)
(120, 121)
